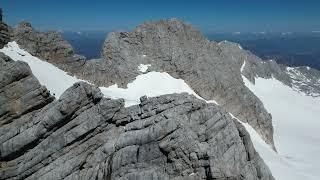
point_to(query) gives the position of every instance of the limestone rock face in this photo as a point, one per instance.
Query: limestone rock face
(177, 48)
(49, 46)
(85, 136)
(305, 79)
(252, 66)
(211, 69)
(20, 91)
(4, 34)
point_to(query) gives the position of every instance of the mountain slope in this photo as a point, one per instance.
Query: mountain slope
(85, 136)
(141, 60)
(279, 164)
(176, 48)
(296, 126)
(57, 81)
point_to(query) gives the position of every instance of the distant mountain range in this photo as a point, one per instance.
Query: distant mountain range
(292, 49)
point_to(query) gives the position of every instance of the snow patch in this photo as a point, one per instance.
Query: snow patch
(143, 67)
(296, 126)
(221, 42)
(57, 81)
(150, 84)
(242, 66)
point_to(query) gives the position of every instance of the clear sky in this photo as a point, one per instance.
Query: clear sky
(208, 16)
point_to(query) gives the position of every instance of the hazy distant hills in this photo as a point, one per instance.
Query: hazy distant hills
(293, 49)
(86, 43)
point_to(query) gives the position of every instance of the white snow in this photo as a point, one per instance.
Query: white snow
(296, 130)
(240, 47)
(221, 42)
(143, 67)
(150, 84)
(57, 81)
(242, 66)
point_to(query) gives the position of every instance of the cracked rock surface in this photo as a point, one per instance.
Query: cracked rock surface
(49, 46)
(85, 136)
(177, 48)
(213, 70)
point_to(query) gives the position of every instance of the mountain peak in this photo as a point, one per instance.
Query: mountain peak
(24, 24)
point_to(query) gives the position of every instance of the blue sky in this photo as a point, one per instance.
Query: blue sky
(208, 16)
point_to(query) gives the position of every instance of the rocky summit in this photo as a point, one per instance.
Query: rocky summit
(49, 46)
(213, 70)
(83, 135)
(78, 132)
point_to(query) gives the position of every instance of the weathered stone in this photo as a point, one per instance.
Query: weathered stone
(49, 46)
(85, 136)
(211, 69)
(20, 91)
(4, 34)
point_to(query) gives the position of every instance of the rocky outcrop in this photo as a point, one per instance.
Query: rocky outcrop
(175, 47)
(252, 66)
(85, 136)
(20, 91)
(302, 79)
(305, 79)
(4, 34)
(172, 46)
(49, 46)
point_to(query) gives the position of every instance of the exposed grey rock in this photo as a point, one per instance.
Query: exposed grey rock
(172, 46)
(20, 91)
(85, 136)
(252, 65)
(175, 47)
(4, 34)
(305, 79)
(49, 46)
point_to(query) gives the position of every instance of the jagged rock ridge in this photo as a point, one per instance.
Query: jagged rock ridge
(183, 52)
(49, 46)
(177, 48)
(211, 69)
(83, 135)
(20, 91)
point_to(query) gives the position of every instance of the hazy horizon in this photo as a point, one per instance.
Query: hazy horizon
(207, 16)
